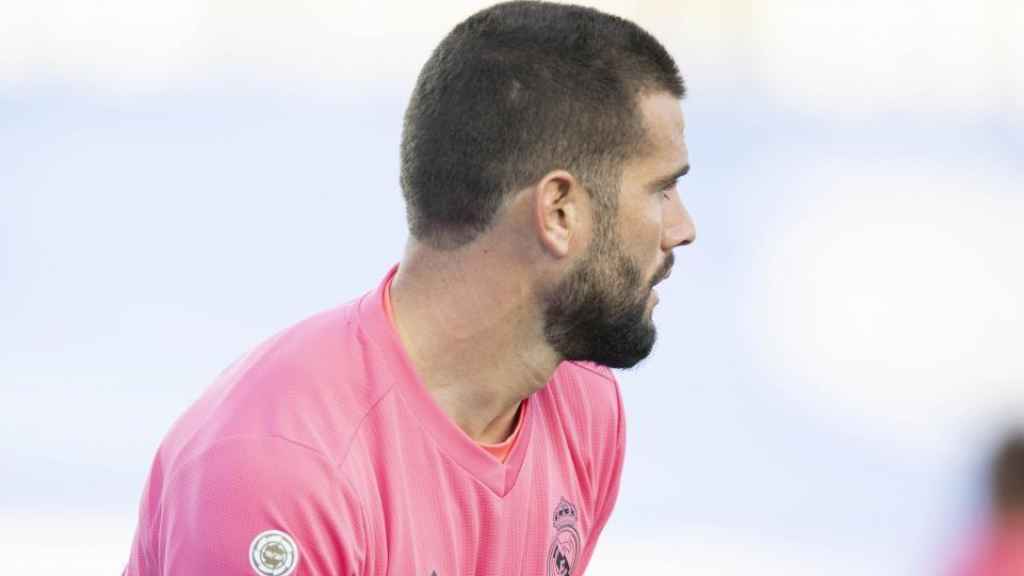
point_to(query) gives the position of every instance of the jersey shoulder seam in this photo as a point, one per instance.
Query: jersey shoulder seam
(609, 376)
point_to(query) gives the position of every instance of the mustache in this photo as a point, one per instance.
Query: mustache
(665, 270)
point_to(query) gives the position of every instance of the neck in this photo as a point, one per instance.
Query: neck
(471, 326)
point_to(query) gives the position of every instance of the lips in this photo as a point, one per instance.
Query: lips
(669, 262)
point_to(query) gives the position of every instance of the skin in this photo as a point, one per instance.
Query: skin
(473, 320)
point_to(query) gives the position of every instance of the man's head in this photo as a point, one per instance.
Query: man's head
(577, 111)
(601, 309)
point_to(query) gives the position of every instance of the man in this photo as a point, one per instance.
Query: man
(460, 419)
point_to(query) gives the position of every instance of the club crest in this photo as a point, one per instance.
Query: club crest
(565, 547)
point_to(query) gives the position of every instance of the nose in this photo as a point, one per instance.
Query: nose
(678, 227)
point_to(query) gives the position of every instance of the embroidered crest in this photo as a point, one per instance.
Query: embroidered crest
(273, 553)
(565, 548)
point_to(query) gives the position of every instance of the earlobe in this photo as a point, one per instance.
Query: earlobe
(557, 212)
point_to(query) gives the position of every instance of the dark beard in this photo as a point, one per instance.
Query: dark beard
(598, 312)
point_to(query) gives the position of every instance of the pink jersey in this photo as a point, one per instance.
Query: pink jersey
(321, 452)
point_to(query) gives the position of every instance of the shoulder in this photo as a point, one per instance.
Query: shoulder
(602, 372)
(586, 401)
(264, 449)
(587, 390)
(589, 371)
(310, 385)
(216, 507)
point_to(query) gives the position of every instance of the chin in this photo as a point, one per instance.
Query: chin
(640, 343)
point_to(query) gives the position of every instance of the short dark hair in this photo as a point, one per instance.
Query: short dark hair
(513, 92)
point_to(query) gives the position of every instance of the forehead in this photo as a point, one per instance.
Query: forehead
(665, 127)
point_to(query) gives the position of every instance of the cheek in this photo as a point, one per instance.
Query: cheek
(644, 219)
(649, 226)
(641, 244)
(649, 239)
(640, 231)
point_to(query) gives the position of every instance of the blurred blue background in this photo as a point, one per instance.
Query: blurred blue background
(838, 351)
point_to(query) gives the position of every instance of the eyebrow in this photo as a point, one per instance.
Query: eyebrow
(665, 181)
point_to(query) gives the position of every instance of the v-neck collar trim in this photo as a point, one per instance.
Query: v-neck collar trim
(499, 477)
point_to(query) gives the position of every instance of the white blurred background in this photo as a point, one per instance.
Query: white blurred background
(838, 351)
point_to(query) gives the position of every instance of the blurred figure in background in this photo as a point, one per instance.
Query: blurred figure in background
(999, 551)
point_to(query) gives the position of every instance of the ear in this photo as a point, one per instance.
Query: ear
(560, 206)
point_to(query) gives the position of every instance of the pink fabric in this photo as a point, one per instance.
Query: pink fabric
(499, 450)
(325, 434)
(998, 551)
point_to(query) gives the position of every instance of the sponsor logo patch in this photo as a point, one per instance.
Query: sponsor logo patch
(273, 553)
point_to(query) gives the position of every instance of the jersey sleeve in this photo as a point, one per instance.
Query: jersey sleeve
(259, 505)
